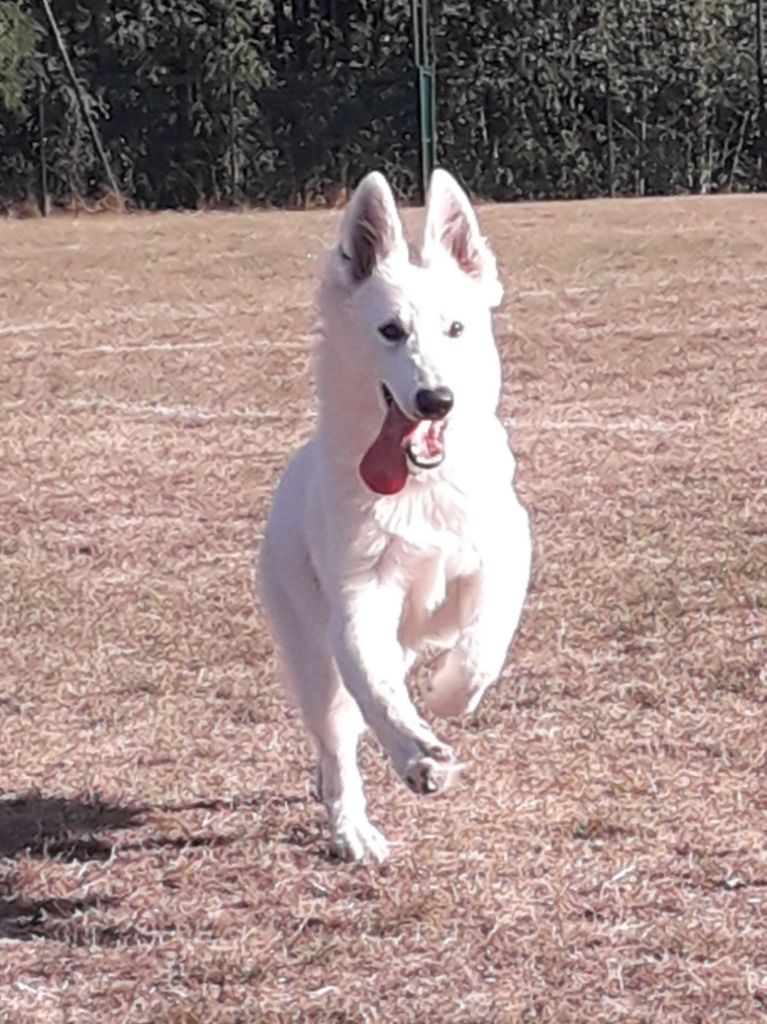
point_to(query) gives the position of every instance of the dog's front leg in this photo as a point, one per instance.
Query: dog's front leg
(373, 665)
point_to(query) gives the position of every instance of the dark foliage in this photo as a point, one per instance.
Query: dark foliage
(287, 102)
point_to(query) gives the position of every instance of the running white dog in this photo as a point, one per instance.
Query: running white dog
(397, 526)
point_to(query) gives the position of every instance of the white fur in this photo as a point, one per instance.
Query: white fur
(355, 584)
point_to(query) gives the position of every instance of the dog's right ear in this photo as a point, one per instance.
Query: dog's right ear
(371, 229)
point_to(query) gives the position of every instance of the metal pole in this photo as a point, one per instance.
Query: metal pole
(225, 29)
(80, 98)
(42, 199)
(610, 131)
(430, 100)
(761, 68)
(232, 144)
(415, 7)
(425, 91)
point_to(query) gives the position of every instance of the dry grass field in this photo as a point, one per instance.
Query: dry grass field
(162, 860)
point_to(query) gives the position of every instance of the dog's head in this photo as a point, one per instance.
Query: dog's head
(411, 340)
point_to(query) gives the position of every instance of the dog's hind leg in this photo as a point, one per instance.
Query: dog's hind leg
(299, 623)
(337, 733)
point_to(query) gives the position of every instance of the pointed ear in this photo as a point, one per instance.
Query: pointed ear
(371, 229)
(452, 230)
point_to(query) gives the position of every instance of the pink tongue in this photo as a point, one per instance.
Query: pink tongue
(384, 466)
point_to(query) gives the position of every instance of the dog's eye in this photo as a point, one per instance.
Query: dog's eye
(455, 330)
(393, 331)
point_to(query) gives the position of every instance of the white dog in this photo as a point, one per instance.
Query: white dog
(397, 527)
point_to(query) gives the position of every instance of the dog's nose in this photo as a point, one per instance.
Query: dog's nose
(433, 403)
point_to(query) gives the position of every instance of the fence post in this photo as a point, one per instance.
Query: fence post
(42, 198)
(232, 145)
(426, 92)
(761, 70)
(610, 129)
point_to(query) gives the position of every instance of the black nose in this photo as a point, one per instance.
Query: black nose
(433, 403)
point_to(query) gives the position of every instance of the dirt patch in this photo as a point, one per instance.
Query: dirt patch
(161, 856)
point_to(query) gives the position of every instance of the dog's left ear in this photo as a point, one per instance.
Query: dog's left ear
(452, 229)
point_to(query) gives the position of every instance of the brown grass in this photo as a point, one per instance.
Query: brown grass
(161, 857)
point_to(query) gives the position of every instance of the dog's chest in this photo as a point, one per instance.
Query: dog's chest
(428, 520)
(429, 545)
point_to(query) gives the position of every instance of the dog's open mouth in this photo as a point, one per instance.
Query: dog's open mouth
(402, 446)
(425, 447)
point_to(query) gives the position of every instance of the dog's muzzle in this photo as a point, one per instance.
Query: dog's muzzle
(407, 443)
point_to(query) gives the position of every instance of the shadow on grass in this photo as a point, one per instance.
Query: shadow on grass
(65, 829)
(56, 919)
(61, 827)
(78, 830)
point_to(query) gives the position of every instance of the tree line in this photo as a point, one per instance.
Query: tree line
(291, 101)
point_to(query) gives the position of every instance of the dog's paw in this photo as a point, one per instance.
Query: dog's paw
(359, 841)
(455, 687)
(433, 771)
